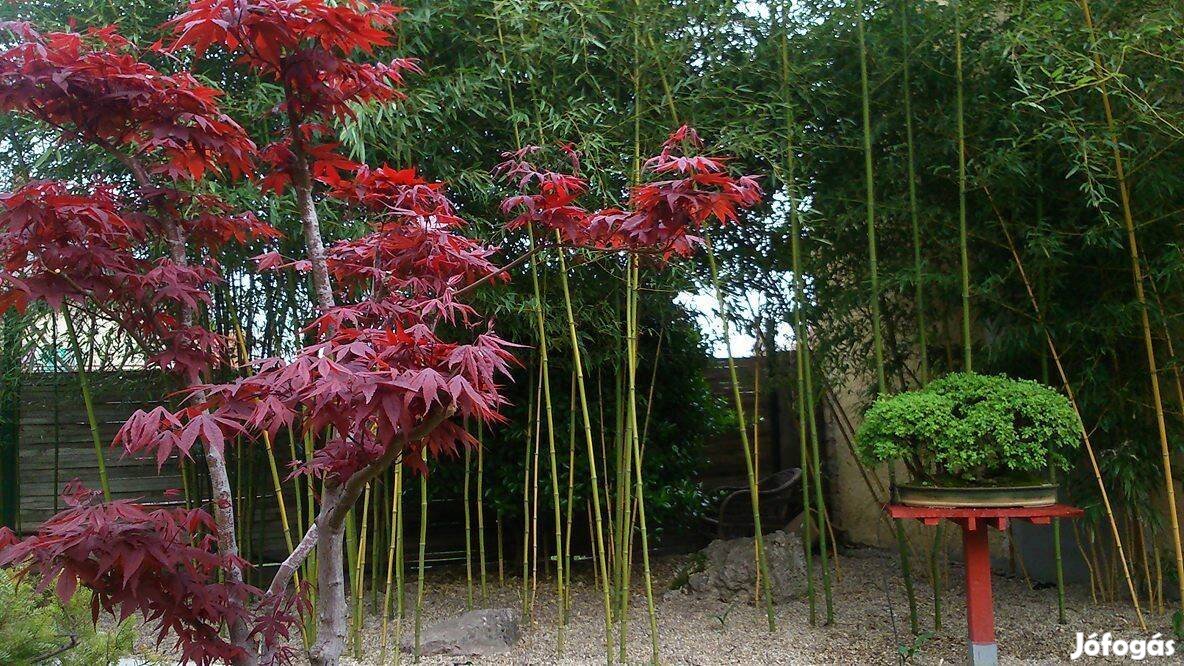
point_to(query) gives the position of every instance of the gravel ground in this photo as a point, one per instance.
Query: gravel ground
(701, 631)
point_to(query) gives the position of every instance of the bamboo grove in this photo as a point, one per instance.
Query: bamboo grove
(948, 185)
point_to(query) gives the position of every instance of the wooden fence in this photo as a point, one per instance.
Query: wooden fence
(54, 446)
(54, 441)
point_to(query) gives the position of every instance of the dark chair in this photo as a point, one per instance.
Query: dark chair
(780, 500)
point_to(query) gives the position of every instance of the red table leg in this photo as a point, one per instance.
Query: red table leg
(980, 612)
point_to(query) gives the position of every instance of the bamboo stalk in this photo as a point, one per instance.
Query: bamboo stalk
(963, 243)
(752, 484)
(1093, 460)
(1045, 378)
(400, 548)
(532, 590)
(541, 329)
(359, 612)
(501, 550)
(756, 440)
(276, 484)
(914, 217)
(87, 402)
(534, 389)
(595, 483)
(819, 500)
(636, 439)
(807, 395)
(376, 536)
(877, 336)
(423, 538)
(310, 573)
(481, 509)
(625, 515)
(803, 441)
(800, 338)
(571, 478)
(396, 522)
(936, 553)
(468, 536)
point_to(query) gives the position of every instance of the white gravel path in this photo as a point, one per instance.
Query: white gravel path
(700, 631)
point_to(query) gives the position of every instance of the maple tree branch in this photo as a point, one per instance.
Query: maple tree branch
(514, 263)
(111, 314)
(288, 567)
(333, 512)
(522, 258)
(352, 488)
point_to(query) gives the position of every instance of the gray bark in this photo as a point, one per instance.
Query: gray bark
(332, 611)
(223, 504)
(310, 223)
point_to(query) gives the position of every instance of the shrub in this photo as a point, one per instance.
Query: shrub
(969, 428)
(35, 625)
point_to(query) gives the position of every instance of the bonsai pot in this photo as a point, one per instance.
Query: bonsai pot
(987, 497)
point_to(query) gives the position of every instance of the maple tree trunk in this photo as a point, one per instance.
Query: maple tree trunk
(332, 610)
(222, 504)
(227, 543)
(310, 222)
(331, 606)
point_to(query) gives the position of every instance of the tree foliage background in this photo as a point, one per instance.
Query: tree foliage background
(1039, 171)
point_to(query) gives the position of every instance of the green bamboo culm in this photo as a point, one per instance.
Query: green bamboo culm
(546, 409)
(571, 490)
(468, 535)
(758, 535)
(590, 448)
(625, 452)
(914, 216)
(535, 390)
(87, 402)
(394, 542)
(936, 553)
(877, 335)
(1046, 379)
(1052, 478)
(639, 479)
(963, 242)
(623, 559)
(359, 610)
(802, 347)
(351, 557)
(1141, 298)
(311, 561)
(815, 459)
(540, 327)
(481, 509)
(423, 539)
(554, 468)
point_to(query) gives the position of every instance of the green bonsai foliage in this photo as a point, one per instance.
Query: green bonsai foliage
(969, 428)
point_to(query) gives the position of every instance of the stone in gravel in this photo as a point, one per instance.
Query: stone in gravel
(477, 633)
(728, 568)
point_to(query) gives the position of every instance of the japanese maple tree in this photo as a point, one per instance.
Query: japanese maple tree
(378, 378)
(664, 216)
(94, 243)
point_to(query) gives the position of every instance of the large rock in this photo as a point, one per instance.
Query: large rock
(477, 633)
(727, 569)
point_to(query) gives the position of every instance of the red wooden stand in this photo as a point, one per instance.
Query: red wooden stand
(980, 610)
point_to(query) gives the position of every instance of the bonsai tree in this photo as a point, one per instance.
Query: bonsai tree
(970, 429)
